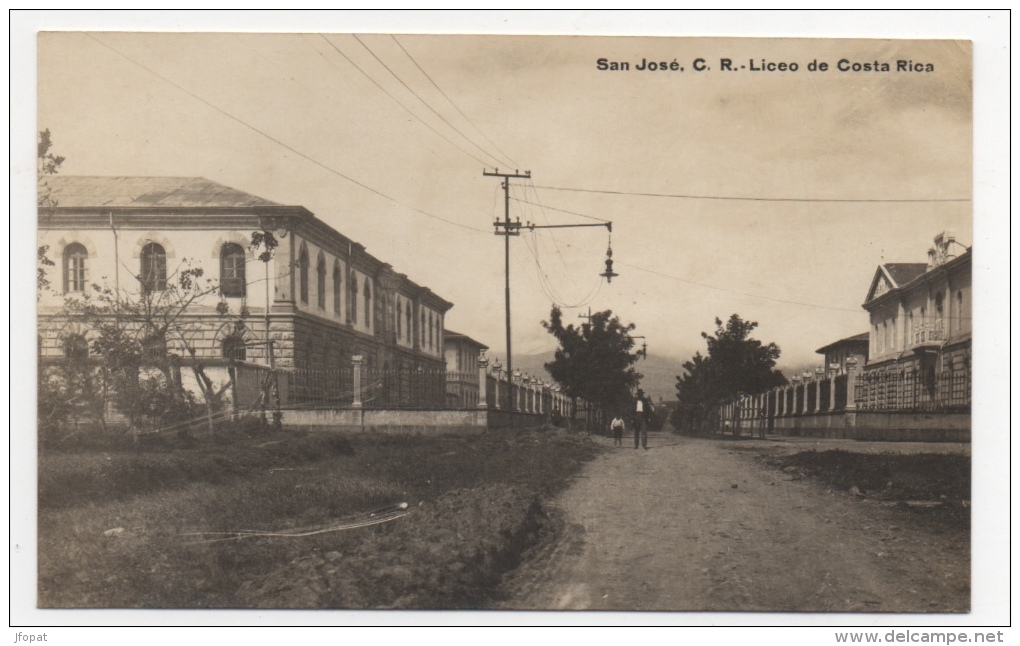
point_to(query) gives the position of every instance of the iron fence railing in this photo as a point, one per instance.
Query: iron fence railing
(913, 391)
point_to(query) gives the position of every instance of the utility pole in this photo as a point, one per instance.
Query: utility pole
(514, 229)
(509, 229)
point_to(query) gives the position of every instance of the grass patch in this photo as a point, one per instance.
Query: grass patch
(474, 506)
(77, 476)
(888, 476)
(924, 477)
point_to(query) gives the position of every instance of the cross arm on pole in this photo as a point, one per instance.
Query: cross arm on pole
(532, 226)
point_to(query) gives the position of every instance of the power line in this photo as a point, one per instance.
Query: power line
(436, 85)
(546, 284)
(423, 102)
(556, 243)
(726, 289)
(397, 101)
(553, 208)
(278, 142)
(753, 199)
(739, 293)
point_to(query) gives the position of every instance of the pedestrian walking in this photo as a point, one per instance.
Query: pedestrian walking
(641, 408)
(618, 427)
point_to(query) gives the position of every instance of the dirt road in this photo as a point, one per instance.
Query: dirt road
(697, 524)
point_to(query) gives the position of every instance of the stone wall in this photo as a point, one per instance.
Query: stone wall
(402, 422)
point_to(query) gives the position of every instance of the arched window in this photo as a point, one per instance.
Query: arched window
(337, 287)
(232, 270)
(368, 304)
(153, 269)
(320, 281)
(76, 348)
(234, 348)
(303, 272)
(400, 316)
(352, 307)
(75, 268)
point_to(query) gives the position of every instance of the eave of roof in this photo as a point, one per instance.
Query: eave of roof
(450, 335)
(850, 340)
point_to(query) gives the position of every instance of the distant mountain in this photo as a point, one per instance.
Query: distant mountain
(798, 369)
(658, 380)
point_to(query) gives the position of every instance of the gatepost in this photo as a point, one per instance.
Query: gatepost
(356, 360)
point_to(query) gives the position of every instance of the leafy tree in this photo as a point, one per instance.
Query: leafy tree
(594, 360)
(736, 365)
(141, 339)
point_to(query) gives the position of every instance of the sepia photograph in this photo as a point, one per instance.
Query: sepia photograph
(344, 319)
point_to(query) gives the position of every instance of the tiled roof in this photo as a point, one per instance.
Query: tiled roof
(81, 191)
(451, 335)
(904, 272)
(857, 338)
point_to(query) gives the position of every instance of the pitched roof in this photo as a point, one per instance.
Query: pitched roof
(904, 272)
(893, 275)
(83, 191)
(850, 340)
(451, 335)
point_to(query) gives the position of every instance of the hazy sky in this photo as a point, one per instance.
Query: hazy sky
(253, 111)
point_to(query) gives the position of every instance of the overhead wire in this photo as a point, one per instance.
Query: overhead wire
(423, 101)
(553, 208)
(550, 290)
(414, 209)
(538, 202)
(757, 199)
(398, 101)
(455, 107)
(739, 293)
(715, 287)
(279, 142)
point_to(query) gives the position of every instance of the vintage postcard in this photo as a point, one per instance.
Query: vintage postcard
(395, 321)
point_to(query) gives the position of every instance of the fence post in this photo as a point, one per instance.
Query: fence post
(356, 360)
(832, 391)
(483, 377)
(851, 382)
(818, 390)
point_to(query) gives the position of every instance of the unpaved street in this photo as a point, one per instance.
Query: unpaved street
(697, 524)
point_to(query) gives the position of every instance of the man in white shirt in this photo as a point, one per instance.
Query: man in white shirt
(640, 426)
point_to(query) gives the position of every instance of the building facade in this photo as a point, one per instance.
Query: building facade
(837, 353)
(920, 336)
(908, 378)
(318, 302)
(462, 366)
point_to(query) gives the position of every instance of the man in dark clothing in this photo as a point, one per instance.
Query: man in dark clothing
(641, 408)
